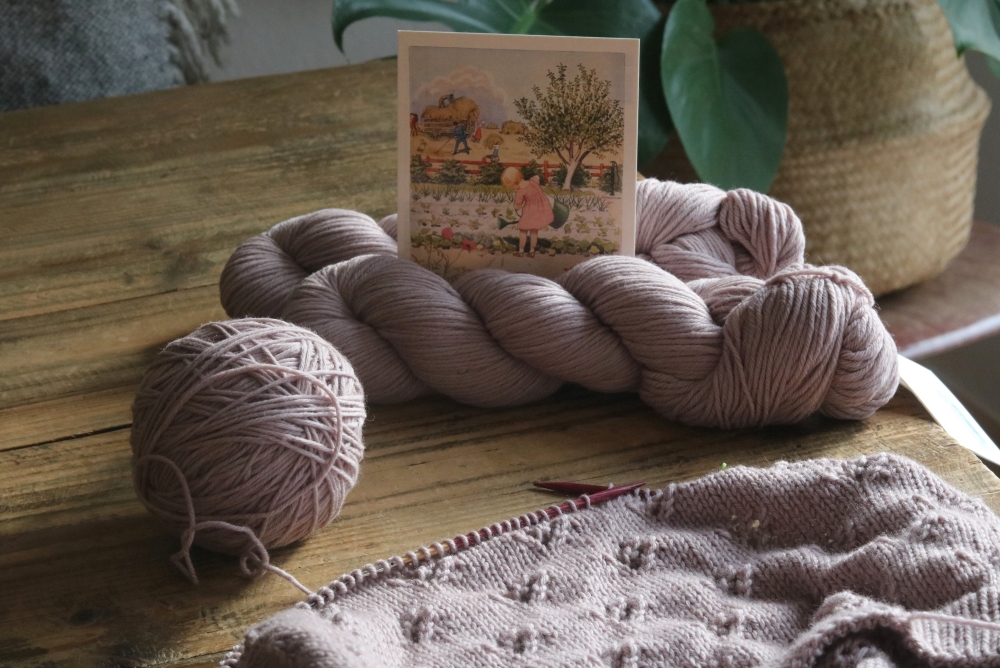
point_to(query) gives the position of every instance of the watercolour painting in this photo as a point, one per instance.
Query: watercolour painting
(516, 152)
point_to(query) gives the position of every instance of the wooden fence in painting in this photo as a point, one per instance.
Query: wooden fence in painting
(548, 168)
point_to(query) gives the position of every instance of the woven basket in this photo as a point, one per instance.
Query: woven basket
(883, 133)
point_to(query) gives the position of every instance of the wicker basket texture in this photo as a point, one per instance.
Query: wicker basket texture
(883, 133)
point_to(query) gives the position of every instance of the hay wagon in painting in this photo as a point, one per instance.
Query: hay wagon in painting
(450, 112)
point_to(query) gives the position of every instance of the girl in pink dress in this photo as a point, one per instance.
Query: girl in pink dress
(478, 137)
(531, 204)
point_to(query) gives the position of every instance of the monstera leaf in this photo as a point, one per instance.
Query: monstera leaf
(638, 19)
(975, 25)
(728, 101)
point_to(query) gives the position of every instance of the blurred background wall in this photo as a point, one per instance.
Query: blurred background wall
(293, 35)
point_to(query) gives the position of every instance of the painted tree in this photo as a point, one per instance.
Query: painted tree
(573, 118)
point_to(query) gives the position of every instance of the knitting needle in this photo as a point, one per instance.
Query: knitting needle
(571, 487)
(602, 495)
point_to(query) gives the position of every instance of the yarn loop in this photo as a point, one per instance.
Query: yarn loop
(717, 321)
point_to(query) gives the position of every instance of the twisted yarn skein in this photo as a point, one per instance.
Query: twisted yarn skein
(246, 436)
(718, 321)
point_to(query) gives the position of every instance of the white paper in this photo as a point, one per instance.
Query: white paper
(946, 409)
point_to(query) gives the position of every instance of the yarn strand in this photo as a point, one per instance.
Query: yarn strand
(256, 550)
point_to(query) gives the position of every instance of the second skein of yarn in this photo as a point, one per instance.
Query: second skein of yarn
(717, 321)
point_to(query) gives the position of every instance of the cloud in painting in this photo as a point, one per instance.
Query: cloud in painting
(495, 105)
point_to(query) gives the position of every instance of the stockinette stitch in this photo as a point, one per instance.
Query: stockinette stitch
(869, 563)
(717, 321)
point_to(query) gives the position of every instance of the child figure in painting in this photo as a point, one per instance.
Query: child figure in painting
(531, 204)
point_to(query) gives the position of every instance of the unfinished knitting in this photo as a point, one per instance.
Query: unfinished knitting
(717, 322)
(868, 563)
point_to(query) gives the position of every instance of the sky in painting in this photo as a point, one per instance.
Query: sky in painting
(494, 78)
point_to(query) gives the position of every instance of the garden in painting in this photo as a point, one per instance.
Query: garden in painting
(473, 142)
(448, 220)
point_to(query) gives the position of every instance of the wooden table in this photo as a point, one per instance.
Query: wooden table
(116, 217)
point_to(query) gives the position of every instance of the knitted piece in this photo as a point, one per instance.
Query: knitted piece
(717, 322)
(873, 562)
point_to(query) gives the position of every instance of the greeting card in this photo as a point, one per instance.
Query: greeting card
(516, 152)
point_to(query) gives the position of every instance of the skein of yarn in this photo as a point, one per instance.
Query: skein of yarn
(246, 436)
(718, 321)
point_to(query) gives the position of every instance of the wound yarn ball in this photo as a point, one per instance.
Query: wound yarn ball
(246, 436)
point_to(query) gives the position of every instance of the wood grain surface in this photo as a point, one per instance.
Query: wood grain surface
(130, 197)
(84, 570)
(116, 217)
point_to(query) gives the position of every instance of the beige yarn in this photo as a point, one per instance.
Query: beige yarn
(883, 132)
(246, 435)
(718, 322)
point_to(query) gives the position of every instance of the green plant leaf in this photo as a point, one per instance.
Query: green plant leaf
(994, 65)
(728, 101)
(639, 19)
(462, 16)
(654, 116)
(975, 25)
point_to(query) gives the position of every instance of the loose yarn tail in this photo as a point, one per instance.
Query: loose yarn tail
(254, 552)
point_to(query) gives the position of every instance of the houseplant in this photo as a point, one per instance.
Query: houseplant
(732, 80)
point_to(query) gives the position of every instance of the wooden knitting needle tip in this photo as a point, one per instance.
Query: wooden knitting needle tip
(570, 487)
(580, 488)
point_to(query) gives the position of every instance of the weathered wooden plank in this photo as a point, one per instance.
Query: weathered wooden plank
(953, 309)
(93, 349)
(64, 417)
(115, 199)
(84, 574)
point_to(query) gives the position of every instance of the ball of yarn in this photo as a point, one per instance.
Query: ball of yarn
(246, 436)
(717, 321)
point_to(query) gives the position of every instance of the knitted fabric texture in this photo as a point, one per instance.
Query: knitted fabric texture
(873, 562)
(717, 322)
